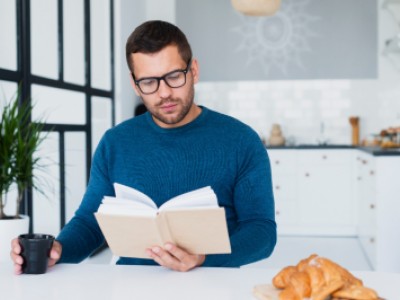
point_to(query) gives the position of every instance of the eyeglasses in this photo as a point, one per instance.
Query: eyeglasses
(173, 79)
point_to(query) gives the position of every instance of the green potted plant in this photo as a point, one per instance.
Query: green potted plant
(20, 138)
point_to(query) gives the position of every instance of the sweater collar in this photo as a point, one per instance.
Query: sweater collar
(198, 120)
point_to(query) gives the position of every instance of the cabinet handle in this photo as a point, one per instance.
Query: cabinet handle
(324, 157)
(277, 162)
(371, 172)
(277, 187)
(372, 206)
(307, 175)
(277, 212)
(372, 240)
(364, 162)
(359, 178)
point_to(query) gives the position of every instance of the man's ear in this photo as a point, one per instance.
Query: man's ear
(195, 70)
(135, 88)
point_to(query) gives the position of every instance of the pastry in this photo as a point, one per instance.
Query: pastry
(319, 278)
(282, 279)
(356, 292)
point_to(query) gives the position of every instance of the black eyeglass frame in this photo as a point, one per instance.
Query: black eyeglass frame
(184, 71)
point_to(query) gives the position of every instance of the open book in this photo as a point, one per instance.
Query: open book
(131, 222)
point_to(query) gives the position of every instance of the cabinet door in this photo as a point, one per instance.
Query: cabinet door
(325, 198)
(283, 167)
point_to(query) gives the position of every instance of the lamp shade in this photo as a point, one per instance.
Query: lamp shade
(256, 7)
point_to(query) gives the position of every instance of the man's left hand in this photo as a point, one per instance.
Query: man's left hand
(175, 258)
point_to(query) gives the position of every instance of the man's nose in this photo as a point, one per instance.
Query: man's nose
(164, 90)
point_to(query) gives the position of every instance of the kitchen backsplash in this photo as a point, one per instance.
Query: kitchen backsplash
(307, 110)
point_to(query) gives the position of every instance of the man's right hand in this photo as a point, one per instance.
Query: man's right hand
(16, 257)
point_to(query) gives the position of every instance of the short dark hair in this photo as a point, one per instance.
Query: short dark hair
(153, 36)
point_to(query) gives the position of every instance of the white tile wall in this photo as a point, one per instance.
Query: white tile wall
(302, 106)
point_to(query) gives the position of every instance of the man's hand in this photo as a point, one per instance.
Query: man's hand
(175, 258)
(16, 257)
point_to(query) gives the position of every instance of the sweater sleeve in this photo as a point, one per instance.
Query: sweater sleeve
(255, 236)
(82, 235)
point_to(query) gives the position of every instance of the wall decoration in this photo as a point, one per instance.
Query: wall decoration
(304, 39)
(277, 42)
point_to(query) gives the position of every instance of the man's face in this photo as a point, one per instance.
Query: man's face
(170, 107)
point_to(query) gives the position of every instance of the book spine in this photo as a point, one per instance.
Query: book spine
(164, 228)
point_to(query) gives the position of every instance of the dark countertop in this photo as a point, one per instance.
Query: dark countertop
(375, 151)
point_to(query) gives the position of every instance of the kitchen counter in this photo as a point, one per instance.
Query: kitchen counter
(87, 281)
(375, 151)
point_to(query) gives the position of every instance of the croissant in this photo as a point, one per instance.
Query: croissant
(356, 292)
(318, 278)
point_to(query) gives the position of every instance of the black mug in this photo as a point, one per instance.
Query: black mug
(35, 250)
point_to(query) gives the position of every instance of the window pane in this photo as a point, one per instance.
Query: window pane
(58, 105)
(8, 91)
(100, 44)
(101, 118)
(44, 38)
(75, 171)
(8, 35)
(46, 205)
(74, 54)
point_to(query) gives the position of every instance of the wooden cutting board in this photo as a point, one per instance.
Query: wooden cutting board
(266, 292)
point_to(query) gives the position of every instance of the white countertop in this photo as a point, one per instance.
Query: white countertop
(87, 281)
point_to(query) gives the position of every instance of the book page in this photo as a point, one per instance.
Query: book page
(126, 192)
(125, 207)
(200, 198)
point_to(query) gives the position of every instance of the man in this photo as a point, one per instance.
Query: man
(176, 147)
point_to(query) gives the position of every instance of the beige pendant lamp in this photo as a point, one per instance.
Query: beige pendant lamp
(256, 7)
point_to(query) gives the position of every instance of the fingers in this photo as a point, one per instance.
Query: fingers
(16, 257)
(175, 258)
(55, 253)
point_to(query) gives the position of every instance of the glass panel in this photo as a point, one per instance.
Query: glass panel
(8, 91)
(8, 35)
(75, 171)
(100, 44)
(101, 118)
(46, 205)
(44, 38)
(58, 105)
(74, 54)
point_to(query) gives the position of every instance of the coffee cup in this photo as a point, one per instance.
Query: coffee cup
(35, 251)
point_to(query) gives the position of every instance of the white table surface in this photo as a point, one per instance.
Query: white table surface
(89, 281)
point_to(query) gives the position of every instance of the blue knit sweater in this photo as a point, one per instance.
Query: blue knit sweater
(213, 150)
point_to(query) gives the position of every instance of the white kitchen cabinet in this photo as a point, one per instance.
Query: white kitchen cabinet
(313, 191)
(379, 210)
(284, 181)
(325, 190)
(340, 192)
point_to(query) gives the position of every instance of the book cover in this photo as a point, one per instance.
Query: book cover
(131, 222)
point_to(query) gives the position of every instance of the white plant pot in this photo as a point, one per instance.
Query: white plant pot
(10, 229)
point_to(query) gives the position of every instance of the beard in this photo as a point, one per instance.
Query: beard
(183, 107)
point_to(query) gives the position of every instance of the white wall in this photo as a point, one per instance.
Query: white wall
(128, 15)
